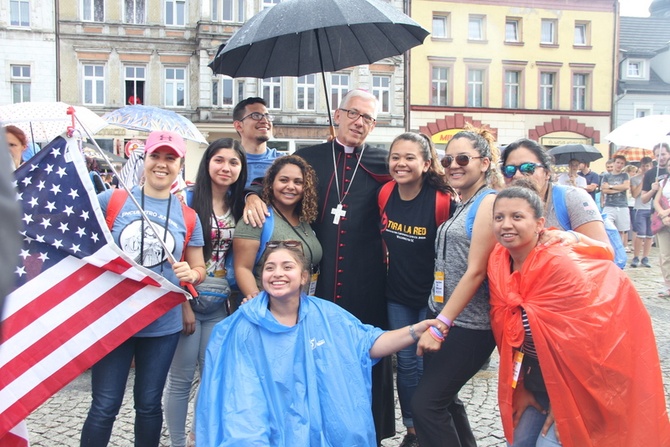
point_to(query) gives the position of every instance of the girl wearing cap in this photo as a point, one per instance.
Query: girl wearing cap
(153, 347)
(288, 369)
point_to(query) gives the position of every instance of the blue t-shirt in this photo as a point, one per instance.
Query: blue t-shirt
(127, 233)
(257, 164)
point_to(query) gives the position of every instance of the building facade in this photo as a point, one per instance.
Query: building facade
(527, 69)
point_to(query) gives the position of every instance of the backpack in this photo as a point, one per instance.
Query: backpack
(119, 197)
(442, 202)
(472, 212)
(558, 194)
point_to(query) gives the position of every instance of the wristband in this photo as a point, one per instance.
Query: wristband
(445, 320)
(575, 234)
(436, 334)
(197, 281)
(412, 333)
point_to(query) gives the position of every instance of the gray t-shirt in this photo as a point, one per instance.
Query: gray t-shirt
(619, 199)
(580, 206)
(452, 247)
(634, 181)
(282, 231)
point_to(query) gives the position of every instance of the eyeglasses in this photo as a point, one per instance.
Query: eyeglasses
(525, 168)
(257, 116)
(461, 160)
(286, 244)
(354, 114)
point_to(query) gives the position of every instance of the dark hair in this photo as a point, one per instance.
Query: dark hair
(526, 190)
(18, 133)
(307, 208)
(619, 157)
(202, 190)
(665, 146)
(646, 160)
(483, 142)
(238, 111)
(433, 176)
(542, 155)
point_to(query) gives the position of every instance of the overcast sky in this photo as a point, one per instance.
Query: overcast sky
(637, 8)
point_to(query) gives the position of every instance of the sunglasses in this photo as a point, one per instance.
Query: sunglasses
(286, 244)
(461, 160)
(525, 168)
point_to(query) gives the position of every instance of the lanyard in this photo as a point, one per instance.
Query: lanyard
(167, 220)
(299, 235)
(453, 219)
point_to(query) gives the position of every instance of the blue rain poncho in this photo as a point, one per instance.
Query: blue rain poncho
(266, 384)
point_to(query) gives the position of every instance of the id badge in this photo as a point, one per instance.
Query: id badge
(518, 360)
(312, 283)
(438, 287)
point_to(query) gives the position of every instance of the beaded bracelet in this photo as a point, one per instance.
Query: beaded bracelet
(436, 334)
(445, 320)
(412, 333)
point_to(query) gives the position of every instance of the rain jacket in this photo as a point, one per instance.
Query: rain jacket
(594, 341)
(266, 384)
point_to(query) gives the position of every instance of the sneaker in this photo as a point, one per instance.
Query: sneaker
(410, 440)
(645, 262)
(636, 262)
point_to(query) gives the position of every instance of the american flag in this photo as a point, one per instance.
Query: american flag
(78, 297)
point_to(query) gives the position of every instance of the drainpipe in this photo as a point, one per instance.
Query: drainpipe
(407, 88)
(615, 70)
(57, 38)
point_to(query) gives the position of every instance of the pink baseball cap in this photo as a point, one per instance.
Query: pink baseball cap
(164, 138)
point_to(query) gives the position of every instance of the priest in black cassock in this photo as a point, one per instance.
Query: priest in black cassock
(353, 272)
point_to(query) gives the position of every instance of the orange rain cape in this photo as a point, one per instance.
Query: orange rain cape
(594, 341)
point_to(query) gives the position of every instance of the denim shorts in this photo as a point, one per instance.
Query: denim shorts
(642, 223)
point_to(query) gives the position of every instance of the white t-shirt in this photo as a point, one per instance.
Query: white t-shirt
(564, 179)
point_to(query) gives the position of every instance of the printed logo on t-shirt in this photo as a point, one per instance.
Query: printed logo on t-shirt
(130, 241)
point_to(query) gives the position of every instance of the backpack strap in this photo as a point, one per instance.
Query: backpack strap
(472, 212)
(116, 201)
(266, 234)
(560, 208)
(384, 194)
(442, 207)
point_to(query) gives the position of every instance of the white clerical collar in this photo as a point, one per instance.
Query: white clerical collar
(347, 149)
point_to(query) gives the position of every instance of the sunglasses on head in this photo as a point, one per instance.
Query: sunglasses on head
(286, 244)
(525, 168)
(461, 160)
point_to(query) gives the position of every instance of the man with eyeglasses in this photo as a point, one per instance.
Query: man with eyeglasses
(253, 124)
(353, 273)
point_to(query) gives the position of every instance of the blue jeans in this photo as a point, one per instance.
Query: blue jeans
(528, 432)
(410, 365)
(189, 355)
(108, 380)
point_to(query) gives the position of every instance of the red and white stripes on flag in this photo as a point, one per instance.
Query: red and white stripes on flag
(81, 296)
(16, 437)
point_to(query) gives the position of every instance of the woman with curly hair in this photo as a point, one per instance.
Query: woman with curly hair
(289, 187)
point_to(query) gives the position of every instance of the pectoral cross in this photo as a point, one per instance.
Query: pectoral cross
(337, 212)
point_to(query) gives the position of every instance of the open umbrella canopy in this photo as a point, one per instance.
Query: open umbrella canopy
(645, 132)
(299, 37)
(634, 153)
(582, 152)
(148, 119)
(44, 121)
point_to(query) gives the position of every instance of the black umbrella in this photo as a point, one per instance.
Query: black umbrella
(299, 37)
(582, 152)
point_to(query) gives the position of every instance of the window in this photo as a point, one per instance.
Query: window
(381, 88)
(581, 34)
(175, 12)
(548, 32)
(512, 29)
(475, 88)
(270, 3)
(306, 91)
(93, 10)
(642, 110)
(476, 28)
(512, 89)
(135, 78)
(441, 26)
(228, 10)
(635, 69)
(175, 87)
(19, 12)
(226, 92)
(134, 11)
(94, 84)
(547, 90)
(579, 86)
(20, 83)
(339, 87)
(439, 83)
(271, 88)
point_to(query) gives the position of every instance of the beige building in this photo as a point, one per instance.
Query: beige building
(526, 69)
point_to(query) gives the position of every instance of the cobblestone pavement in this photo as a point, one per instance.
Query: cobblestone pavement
(59, 420)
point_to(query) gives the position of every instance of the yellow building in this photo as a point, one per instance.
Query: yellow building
(527, 69)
